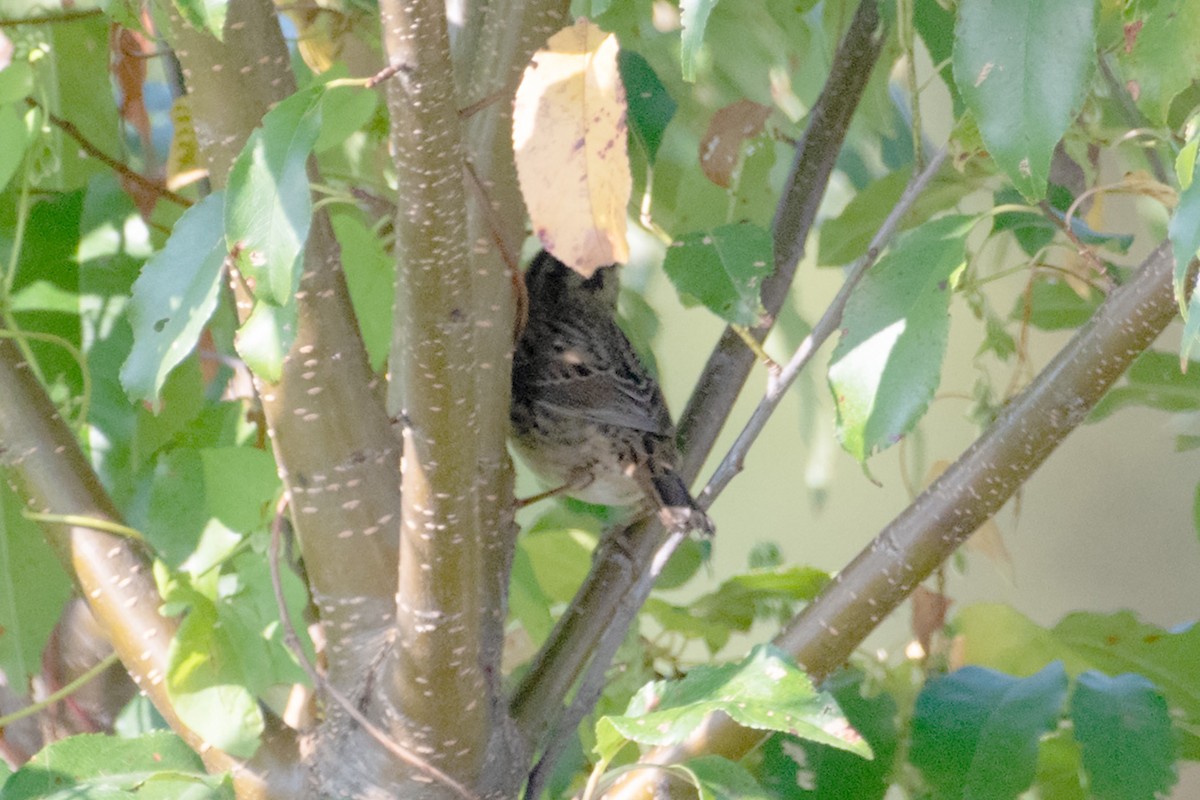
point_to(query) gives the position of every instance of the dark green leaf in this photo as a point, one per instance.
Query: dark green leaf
(935, 24)
(795, 769)
(1153, 380)
(975, 732)
(1022, 69)
(15, 137)
(650, 105)
(173, 299)
(1125, 729)
(723, 269)
(370, 275)
(717, 778)
(888, 361)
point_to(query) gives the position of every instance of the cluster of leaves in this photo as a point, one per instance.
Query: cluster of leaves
(130, 332)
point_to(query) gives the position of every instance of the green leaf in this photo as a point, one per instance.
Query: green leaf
(205, 675)
(370, 275)
(1165, 57)
(1060, 767)
(975, 732)
(173, 299)
(72, 81)
(240, 486)
(1116, 643)
(15, 137)
(268, 209)
(1054, 305)
(206, 15)
(651, 107)
(888, 360)
(1022, 69)
(1000, 637)
(723, 269)
(794, 769)
(559, 546)
(100, 766)
(265, 338)
(1125, 730)
(1184, 233)
(1154, 380)
(1191, 329)
(846, 237)
(693, 14)
(935, 24)
(33, 590)
(717, 778)
(16, 81)
(765, 692)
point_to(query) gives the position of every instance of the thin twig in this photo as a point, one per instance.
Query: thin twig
(592, 684)
(68, 127)
(62, 693)
(292, 641)
(1132, 115)
(825, 327)
(50, 19)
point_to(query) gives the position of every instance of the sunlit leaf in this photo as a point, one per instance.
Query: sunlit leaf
(1162, 54)
(174, 297)
(569, 141)
(694, 16)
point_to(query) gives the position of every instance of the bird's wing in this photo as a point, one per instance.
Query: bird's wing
(607, 385)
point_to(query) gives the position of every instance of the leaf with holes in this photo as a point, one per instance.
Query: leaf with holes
(174, 298)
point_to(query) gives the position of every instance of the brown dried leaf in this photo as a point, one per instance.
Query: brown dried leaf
(989, 542)
(928, 615)
(722, 142)
(569, 141)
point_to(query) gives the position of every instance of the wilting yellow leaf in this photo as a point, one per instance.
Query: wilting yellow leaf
(928, 615)
(569, 140)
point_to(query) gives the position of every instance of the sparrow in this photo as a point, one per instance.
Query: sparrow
(586, 414)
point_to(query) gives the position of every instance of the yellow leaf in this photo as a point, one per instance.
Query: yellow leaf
(569, 141)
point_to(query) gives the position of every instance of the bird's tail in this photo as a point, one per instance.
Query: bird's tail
(677, 508)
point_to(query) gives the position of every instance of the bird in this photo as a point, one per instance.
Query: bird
(587, 416)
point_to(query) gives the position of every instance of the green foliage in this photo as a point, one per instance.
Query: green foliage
(125, 315)
(975, 732)
(723, 269)
(1022, 69)
(156, 766)
(888, 361)
(33, 590)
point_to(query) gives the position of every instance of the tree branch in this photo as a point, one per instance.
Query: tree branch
(826, 632)
(625, 555)
(436, 664)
